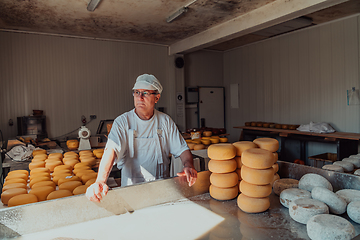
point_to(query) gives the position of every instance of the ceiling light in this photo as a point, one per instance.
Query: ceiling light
(176, 14)
(92, 5)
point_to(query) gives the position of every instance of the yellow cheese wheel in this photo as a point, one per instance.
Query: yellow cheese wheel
(38, 179)
(54, 158)
(57, 154)
(14, 185)
(275, 166)
(99, 150)
(196, 141)
(72, 144)
(199, 146)
(207, 133)
(238, 161)
(224, 180)
(51, 165)
(276, 156)
(257, 176)
(22, 199)
(61, 171)
(15, 180)
(71, 185)
(38, 160)
(18, 171)
(206, 141)
(90, 181)
(270, 144)
(221, 151)
(276, 177)
(70, 153)
(68, 179)
(16, 176)
(214, 140)
(40, 157)
(253, 205)
(83, 172)
(42, 169)
(257, 191)
(222, 166)
(88, 160)
(206, 138)
(80, 169)
(60, 167)
(41, 192)
(71, 162)
(79, 165)
(37, 164)
(5, 196)
(38, 151)
(238, 172)
(59, 176)
(223, 139)
(80, 190)
(86, 177)
(191, 146)
(44, 183)
(257, 158)
(39, 174)
(223, 193)
(242, 146)
(59, 194)
(86, 152)
(99, 154)
(71, 157)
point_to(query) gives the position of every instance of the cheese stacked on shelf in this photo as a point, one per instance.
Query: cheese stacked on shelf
(222, 165)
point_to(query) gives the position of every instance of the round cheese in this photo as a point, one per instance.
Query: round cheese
(44, 183)
(223, 139)
(276, 177)
(223, 193)
(311, 180)
(18, 171)
(39, 174)
(61, 171)
(238, 161)
(199, 146)
(221, 151)
(238, 172)
(70, 153)
(256, 191)
(347, 166)
(40, 157)
(51, 165)
(224, 180)
(53, 159)
(302, 209)
(77, 170)
(329, 227)
(14, 185)
(86, 177)
(17, 176)
(36, 170)
(22, 199)
(290, 194)
(79, 165)
(61, 167)
(331, 167)
(37, 164)
(207, 133)
(59, 194)
(355, 161)
(88, 160)
(86, 152)
(71, 185)
(357, 172)
(56, 154)
(82, 172)
(214, 140)
(270, 144)
(90, 181)
(15, 180)
(275, 166)
(243, 146)
(284, 183)
(276, 157)
(71, 162)
(38, 151)
(336, 204)
(353, 211)
(206, 141)
(80, 190)
(257, 158)
(41, 192)
(99, 150)
(222, 166)
(349, 195)
(253, 205)
(59, 176)
(257, 176)
(38, 179)
(5, 196)
(68, 179)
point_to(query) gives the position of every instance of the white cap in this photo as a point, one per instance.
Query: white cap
(148, 82)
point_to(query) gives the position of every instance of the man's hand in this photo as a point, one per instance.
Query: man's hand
(94, 191)
(190, 174)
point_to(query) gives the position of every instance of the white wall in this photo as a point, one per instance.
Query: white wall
(69, 77)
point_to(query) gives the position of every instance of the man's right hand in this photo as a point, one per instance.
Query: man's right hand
(96, 191)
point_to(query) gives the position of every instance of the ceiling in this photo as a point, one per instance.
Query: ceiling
(211, 24)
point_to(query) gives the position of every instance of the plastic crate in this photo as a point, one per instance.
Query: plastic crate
(322, 159)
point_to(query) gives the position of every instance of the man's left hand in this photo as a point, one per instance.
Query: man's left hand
(190, 174)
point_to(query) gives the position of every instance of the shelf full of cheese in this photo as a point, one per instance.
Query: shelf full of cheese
(203, 140)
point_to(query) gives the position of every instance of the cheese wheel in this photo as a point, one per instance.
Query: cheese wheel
(90, 181)
(221, 151)
(329, 227)
(71, 185)
(243, 146)
(42, 169)
(18, 171)
(311, 180)
(59, 176)
(80, 190)
(206, 141)
(38, 160)
(59, 194)
(42, 192)
(51, 165)
(53, 159)
(83, 172)
(353, 160)
(68, 179)
(238, 161)
(347, 166)
(214, 140)
(39, 174)
(275, 166)
(276, 157)
(253, 205)
(191, 146)
(77, 170)
(196, 141)
(270, 144)
(284, 183)
(38, 179)
(44, 183)
(257, 158)
(86, 177)
(223, 139)
(256, 191)
(331, 167)
(99, 150)
(302, 209)
(257, 176)
(223, 193)
(276, 177)
(14, 185)
(15, 180)
(238, 172)
(61, 171)
(336, 204)
(22, 199)
(56, 154)
(79, 165)
(207, 133)
(357, 172)
(99, 155)
(70, 153)
(71, 162)
(60, 167)
(40, 157)
(349, 195)
(38, 151)
(5, 196)
(199, 146)
(38, 164)
(17, 176)
(89, 160)
(353, 211)
(222, 166)
(224, 180)
(291, 194)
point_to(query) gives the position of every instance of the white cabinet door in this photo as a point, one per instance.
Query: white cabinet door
(211, 106)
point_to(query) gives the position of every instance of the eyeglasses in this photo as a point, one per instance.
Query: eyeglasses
(144, 93)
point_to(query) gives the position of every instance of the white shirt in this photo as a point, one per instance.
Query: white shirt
(142, 147)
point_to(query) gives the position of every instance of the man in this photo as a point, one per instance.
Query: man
(140, 142)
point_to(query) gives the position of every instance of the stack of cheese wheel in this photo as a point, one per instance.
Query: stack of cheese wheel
(87, 156)
(98, 153)
(71, 158)
(272, 145)
(38, 159)
(15, 184)
(240, 148)
(224, 180)
(257, 174)
(85, 173)
(53, 160)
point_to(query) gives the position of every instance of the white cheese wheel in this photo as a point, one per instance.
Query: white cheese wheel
(349, 195)
(347, 166)
(42, 192)
(329, 227)
(253, 205)
(290, 194)
(59, 194)
(44, 183)
(256, 191)
(5, 196)
(284, 183)
(257, 158)
(353, 211)
(311, 180)
(222, 166)
(357, 172)
(22, 199)
(270, 144)
(353, 160)
(302, 209)
(71, 185)
(257, 176)
(337, 204)
(238, 161)
(331, 167)
(223, 193)
(224, 180)
(221, 151)
(243, 146)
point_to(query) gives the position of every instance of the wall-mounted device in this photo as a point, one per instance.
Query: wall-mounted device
(192, 94)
